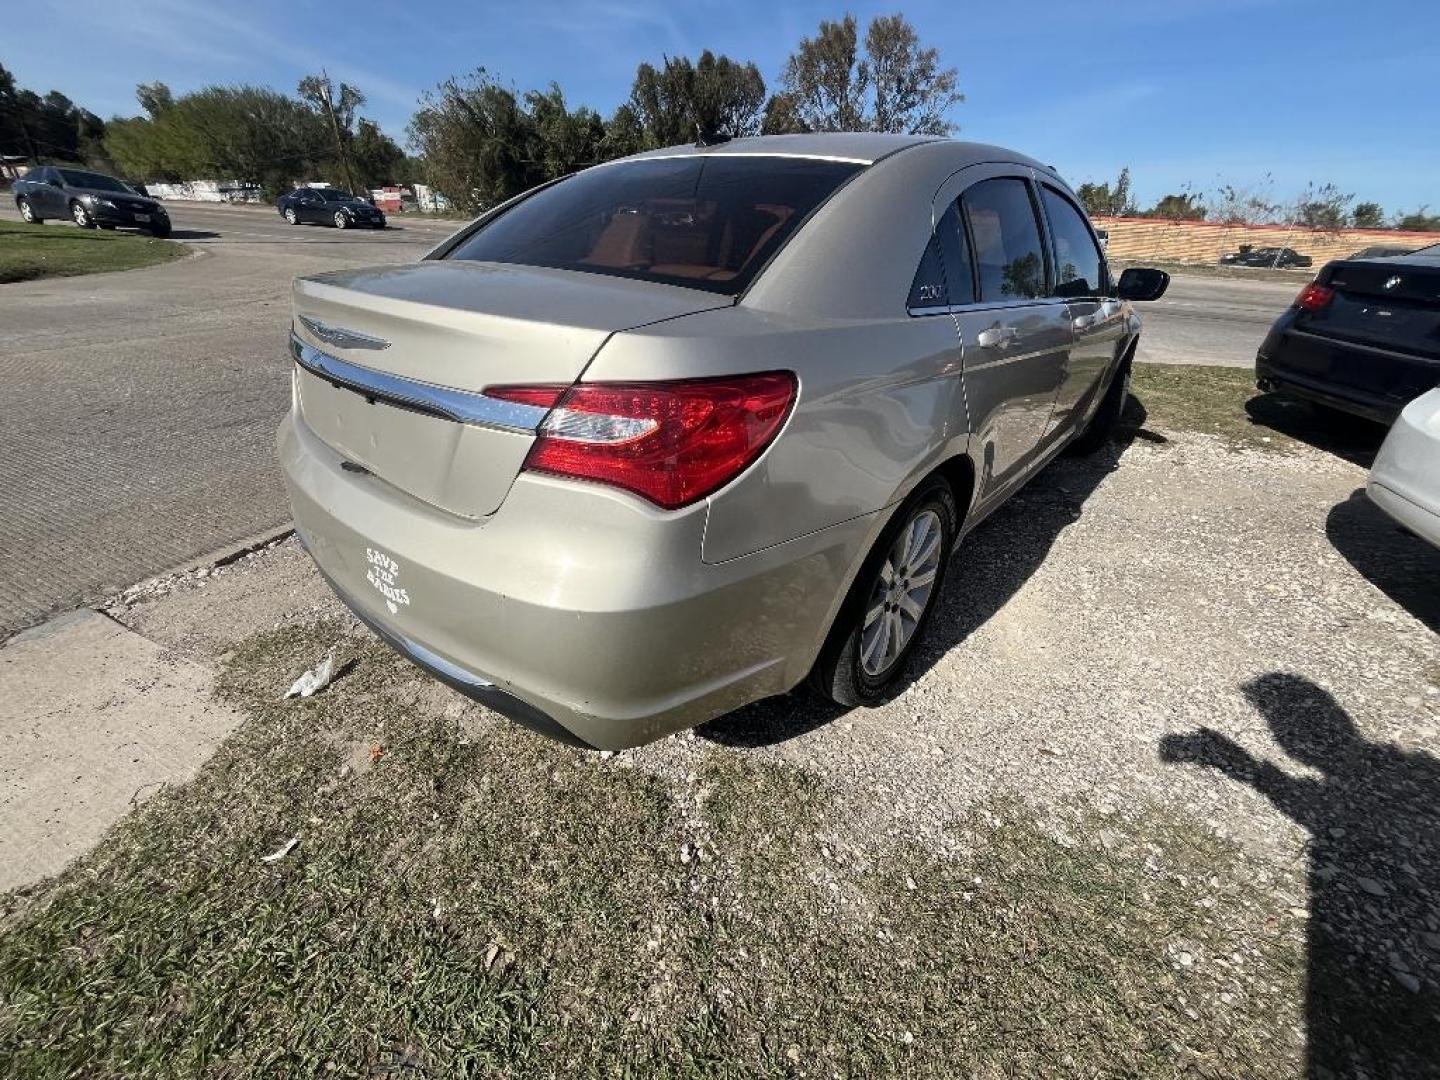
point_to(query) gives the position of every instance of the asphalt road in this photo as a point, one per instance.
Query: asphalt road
(139, 408)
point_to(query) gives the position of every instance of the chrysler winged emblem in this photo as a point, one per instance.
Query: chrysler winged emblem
(1392, 282)
(342, 338)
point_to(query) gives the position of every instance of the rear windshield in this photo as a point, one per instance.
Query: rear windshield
(703, 222)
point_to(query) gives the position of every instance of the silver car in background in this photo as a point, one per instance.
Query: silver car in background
(1405, 479)
(679, 431)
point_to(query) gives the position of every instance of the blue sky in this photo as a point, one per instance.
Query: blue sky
(1182, 91)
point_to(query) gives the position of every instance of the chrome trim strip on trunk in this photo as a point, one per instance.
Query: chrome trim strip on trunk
(460, 406)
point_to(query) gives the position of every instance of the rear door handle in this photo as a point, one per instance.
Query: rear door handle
(996, 336)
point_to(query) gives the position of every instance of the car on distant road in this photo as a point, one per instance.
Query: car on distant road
(328, 206)
(1405, 480)
(678, 431)
(1278, 258)
(89, 199)
(1363, 337)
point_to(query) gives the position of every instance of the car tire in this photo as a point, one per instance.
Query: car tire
(341, 221)
(81, 216)
(292, 217)
(1101, 428)
(160, 232)
(28, 212)
(860, 663)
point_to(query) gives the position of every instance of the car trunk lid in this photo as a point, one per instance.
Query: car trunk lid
(1392, 305)
(418, 344)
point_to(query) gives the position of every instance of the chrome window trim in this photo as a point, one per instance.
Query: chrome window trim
(984, 305)
(460, 406)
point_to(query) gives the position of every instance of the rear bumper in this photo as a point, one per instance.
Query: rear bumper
(573, 609)
(1364, 380)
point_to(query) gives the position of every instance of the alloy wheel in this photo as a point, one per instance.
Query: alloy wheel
(81, 216)
(25, 211)
(290, 215)
(901, 593)
(340, 221)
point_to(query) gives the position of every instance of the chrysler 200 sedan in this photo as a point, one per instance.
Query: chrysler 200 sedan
(681, 431)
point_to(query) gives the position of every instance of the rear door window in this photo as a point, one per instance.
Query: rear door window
(1005, 237)
(705, 222)
(1079, 267)
(944, 277)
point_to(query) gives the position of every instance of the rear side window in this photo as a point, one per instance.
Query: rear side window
(1009, 256)
(706, 222)
(944, 277)
(1079, 268)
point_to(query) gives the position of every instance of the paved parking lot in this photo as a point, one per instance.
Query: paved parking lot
(136, 428)
(140, 408)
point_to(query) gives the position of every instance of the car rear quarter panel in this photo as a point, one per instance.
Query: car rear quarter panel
(878, 399)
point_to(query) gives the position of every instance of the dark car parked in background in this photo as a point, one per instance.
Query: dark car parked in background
(1363, 337)
(1276, 257)
(87, 198)
(328, 206)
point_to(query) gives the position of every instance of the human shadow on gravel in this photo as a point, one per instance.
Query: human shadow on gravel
(1373, 814)
(1394, 560)
(990, 566)
(1351, 438)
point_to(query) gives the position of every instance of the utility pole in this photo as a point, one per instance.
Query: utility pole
(335, 130)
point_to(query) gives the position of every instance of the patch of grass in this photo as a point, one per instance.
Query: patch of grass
(481, 902)
(1210, 400)
(28, 252)
(1224, 402)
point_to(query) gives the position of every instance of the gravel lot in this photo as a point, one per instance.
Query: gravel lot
(1234, 635)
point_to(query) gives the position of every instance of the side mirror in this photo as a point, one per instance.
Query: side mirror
(1140, 283)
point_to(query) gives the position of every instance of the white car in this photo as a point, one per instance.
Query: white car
(1405, 480)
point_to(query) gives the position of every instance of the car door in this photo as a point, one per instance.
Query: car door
(306, 202)
(1097, 321)
(1014, 335)
(51, 198)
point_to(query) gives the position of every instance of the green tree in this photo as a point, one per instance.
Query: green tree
(1181, 206)
(376, 158)
(474, 137)
(48, 127)
(894, 85)
(624, 134)
(155, 98)
(1367, 215)
(1103, 200)
(562, 141)
(1418, 221)
(338, 111)
(682, 102)
(1325, 207)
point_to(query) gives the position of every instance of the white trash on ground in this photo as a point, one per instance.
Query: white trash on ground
(316, 679)
(280, 852)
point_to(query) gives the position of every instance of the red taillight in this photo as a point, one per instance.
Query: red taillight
(670, 442)
(1314, 297)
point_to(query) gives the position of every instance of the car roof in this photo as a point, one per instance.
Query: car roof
(861, 147)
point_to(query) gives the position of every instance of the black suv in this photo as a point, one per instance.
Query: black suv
(87, 198)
